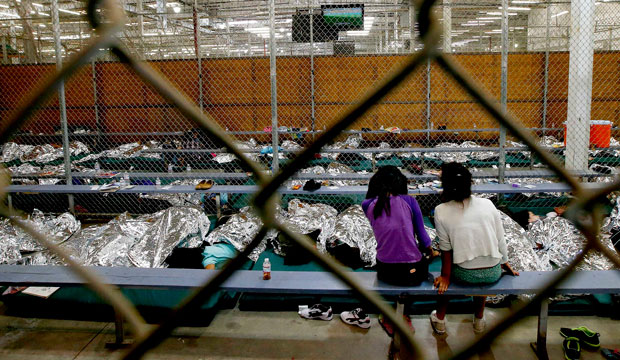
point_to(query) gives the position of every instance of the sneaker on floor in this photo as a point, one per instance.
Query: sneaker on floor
(610, 354)
(317, 312)
(439, 326)
(572, 349)
(356, 317)
(479, 325)
(586, 336)
(386, 325)
(389, 328)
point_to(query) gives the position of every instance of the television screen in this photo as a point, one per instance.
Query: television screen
(344, 17)
(321, 32)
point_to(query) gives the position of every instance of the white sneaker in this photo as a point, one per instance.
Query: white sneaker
(317, 312)
(356, 317)
(439, 326)
(479, 325)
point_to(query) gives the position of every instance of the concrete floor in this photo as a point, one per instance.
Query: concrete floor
(284, 335)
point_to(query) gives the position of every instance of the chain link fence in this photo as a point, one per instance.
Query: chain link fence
(277, 78)
(218, 55)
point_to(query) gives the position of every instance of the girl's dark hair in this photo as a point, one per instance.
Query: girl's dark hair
(456, 182)
(388, 180)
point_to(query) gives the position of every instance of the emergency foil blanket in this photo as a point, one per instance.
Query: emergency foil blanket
(240, 230)
(353, 229)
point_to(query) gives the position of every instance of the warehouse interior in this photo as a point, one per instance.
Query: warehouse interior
(112, 170)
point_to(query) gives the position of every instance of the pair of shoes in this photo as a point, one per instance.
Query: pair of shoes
(317, 312)
(439, 326)
(356, 317)
(572, 348)
(479, 325)
(610, 354)
(205, 185)
(586, 336)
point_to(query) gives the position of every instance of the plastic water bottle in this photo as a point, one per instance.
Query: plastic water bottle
(266, 269)
(158, 182)
(126, 179)
(170, 169)
(189, 168)
(97, 167)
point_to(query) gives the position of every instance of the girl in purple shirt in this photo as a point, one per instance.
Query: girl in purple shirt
(397, 221)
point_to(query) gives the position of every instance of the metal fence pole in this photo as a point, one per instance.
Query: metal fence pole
(61, 100)
(428, 101)
(546, 87)
(96, 104)
(504, 90)
(312, 104)
(447, 27)
(197, 48)
(5, 59)
(274, 95)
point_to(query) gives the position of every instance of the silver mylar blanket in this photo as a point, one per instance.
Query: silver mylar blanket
(353, 229)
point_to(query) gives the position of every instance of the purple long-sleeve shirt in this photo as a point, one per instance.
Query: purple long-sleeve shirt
(395, 233)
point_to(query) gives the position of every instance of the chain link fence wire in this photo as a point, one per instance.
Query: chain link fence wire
(351, 97)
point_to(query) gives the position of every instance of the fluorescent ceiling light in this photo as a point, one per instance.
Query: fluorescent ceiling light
(4, 6)
(489, 18)
(358, 33)
(69, 12)
(9, 14)
(516, 8)
(242, 22)
(36, 4)
(494, 13)
(524, 2)
(560, 14)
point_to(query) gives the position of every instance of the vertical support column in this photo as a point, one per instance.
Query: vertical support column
(5, 59)
(580, 84)
(546, 88)
(411, 28)
(396, 25)
(61, 100)
(504, 90)
(96, 104)
(312, 98)
(428, 101)
(197, 50)
(447, 27)
(141, 27)
(274, 94)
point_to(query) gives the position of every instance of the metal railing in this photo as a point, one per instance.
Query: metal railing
(107, 19)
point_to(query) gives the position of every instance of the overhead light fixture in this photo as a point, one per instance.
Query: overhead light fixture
(9, 14)
(176, 9)
(516, 8)
(69, 12)
(4, 6)
(524, 2)
(358, 33)
(242, 22)
(489, 18)
(36, 4)
(560, 13)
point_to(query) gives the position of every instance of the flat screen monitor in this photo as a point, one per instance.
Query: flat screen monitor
(344, 17)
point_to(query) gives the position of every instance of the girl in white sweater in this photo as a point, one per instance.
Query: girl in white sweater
(471, 240)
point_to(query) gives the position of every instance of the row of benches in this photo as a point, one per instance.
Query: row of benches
(319, 283)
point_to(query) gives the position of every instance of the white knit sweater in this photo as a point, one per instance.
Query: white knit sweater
(474, 232)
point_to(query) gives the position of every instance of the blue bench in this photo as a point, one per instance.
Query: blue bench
(301, 282)
(250, 189)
